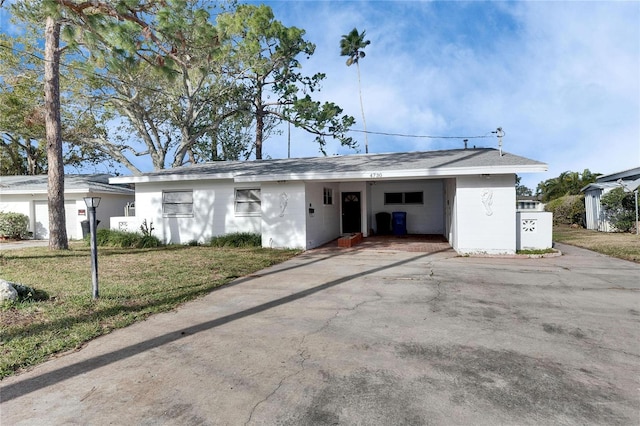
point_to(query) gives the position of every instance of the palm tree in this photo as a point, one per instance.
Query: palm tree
(352, 45)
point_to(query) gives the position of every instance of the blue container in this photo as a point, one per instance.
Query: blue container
(399, 223)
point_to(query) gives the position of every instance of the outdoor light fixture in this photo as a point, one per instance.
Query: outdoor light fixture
(92, 203)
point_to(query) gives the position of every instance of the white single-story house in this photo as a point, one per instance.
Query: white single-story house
(596, 219)
(466, 195)
(28, 195)
(529, 203)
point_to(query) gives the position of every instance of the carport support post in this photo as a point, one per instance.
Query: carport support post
(92, 203)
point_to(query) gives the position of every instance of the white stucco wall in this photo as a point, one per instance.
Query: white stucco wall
(213, 211)
(283, 215)
(486, 214)
(323, 225)
(426, 218)
(16, 204)
(534, 230)
(450, 211)
(36, 207)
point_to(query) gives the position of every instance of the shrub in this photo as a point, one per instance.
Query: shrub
(148, 241)
(14, 225)
(112, 238)
(619, 208)
(567, 210)
(238, 239)
(29, 294)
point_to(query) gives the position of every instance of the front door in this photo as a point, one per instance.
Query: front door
(351, 212)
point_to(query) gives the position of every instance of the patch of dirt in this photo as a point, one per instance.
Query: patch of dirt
(13, 317)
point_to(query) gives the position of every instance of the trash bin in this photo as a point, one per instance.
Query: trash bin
(383, 223)
(86, 229)
(399, 223)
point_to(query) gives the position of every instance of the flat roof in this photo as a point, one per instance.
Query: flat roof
(38, 184)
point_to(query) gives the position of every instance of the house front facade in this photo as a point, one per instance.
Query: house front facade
(467, 196)
(28, 195)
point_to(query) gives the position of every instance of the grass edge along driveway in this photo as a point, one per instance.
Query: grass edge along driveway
(616, 244)
(134, 283)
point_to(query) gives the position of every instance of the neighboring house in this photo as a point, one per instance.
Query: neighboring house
(28, 195)
(595, 215)
(528, 203)
(466, 195)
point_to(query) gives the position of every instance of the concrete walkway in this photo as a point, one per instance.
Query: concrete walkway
(13, 245)
(371, 337)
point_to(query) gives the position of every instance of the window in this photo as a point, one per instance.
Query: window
(177, 203)
(328, 196)
(413, 198)
(248, 202)
(404, 197)
(393, 197)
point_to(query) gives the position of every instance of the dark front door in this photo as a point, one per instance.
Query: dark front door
(351, 215)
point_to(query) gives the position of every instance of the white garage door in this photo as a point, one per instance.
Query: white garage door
(42, 220)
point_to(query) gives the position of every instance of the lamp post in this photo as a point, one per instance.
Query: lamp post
(92, 204)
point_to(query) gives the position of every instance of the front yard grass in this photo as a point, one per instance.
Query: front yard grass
(134, 283)
(617, 244)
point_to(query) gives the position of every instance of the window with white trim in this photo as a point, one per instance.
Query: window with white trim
(328, 196)
(248, 202)
(177, 203)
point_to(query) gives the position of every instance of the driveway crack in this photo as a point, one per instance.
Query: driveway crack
(303, 355)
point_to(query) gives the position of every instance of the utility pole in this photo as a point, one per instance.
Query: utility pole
(289, 140)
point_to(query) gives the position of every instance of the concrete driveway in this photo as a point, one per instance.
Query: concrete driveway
(370, 337)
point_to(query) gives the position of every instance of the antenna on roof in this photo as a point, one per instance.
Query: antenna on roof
(500, 133)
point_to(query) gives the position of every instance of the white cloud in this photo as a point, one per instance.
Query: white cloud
(562, 78)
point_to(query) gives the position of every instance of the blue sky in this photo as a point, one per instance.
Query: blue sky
(561, 78)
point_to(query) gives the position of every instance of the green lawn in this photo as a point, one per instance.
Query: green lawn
(616, 244)
(134, 283)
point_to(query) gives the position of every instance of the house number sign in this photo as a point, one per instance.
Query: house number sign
(375, 175)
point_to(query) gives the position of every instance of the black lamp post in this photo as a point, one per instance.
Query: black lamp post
(92, 203)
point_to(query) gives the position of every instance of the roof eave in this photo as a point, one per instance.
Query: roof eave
(395, 174)
(168, 178)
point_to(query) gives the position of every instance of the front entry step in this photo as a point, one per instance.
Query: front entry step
(350, 240)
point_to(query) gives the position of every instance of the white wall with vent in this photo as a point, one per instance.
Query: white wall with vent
(534, 230)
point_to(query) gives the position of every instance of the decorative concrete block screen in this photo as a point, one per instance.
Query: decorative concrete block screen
(125, 223)
(534, 230)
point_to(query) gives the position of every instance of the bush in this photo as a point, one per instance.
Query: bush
(111, 238)
(29, 294)
(619, 208)
(14, 225)
(238, 239)
(567, 210)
